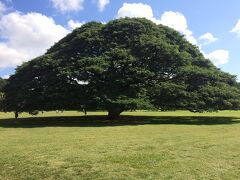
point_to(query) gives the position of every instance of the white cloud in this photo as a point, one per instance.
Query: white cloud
(68, 5)
(3, 8)
(218, 57)
(236, 28)
(207, 38)
(74, 24)
(135, 10)
(5, 76)
(175, 20)
(10, 57)
(102, 4)
(26, 36)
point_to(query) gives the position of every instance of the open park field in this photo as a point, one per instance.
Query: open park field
(140, 145)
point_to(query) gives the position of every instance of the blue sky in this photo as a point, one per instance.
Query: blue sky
(29, 27)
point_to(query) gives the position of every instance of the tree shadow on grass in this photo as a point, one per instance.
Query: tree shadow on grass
(101, 121)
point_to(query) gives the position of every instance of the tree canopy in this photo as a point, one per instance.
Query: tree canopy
(126, 64)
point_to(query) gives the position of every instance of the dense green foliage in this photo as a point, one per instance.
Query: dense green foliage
(123, 65)
(3, 83)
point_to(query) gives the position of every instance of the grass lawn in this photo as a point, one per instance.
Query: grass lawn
(141, 145)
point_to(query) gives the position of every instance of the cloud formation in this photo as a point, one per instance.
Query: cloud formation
(135, 10)
(102, 4)
(207, 38)
(68, 5)
(3, 8)
(26, 36)
(218, 57)
(10, 57)
(74, 24)
(175, 20)
(236, 28)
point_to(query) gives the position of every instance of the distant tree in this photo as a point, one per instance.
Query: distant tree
(125, 64)
(3, 83)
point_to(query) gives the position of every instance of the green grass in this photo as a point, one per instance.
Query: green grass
(140, 145)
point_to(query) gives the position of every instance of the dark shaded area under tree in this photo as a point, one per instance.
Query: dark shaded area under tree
(102, 121)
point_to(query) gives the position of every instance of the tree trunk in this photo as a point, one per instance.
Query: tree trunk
(16, 114)
(113, 114)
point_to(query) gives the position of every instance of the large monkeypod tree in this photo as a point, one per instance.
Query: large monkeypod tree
(126, 64)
